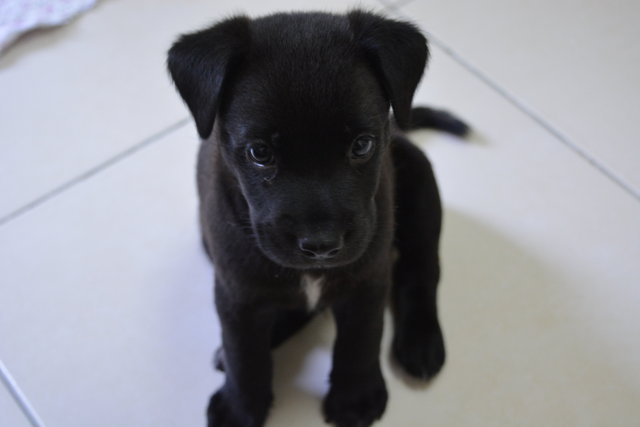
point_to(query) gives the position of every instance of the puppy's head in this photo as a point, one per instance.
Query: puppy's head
(301, 103)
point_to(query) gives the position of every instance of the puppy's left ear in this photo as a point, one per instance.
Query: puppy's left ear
(200, 64)
(398, 53)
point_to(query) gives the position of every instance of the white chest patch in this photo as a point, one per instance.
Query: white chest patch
(312, 288)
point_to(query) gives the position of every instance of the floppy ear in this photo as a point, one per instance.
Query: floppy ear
(200, 62)
(398, 53)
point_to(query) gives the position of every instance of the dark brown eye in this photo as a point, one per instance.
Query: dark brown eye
(260, 154)
(362, 148)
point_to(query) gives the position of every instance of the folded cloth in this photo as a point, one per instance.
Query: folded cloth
(20, 16)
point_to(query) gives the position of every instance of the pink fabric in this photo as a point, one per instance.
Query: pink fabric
(20, 16)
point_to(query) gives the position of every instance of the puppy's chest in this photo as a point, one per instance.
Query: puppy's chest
(312, 288)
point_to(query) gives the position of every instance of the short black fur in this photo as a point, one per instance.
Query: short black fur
(305, 182)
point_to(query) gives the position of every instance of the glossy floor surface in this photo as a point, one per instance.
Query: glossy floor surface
(106, 314)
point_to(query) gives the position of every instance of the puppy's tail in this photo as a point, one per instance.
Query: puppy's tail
(425, 117)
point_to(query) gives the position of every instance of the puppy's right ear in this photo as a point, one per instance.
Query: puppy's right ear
(200, 62)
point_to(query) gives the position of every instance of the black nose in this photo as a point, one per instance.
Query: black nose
(321, 246)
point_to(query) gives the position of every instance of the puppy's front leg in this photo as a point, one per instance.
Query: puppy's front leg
(358, 395)
(246, 396)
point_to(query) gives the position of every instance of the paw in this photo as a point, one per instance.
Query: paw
(420, 351)
(355, 405)
(225, 411)
(220, 413)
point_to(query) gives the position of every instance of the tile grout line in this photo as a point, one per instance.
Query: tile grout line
(390, 6)
(93, 171)
(394, 6)
(19, 397)
(520, 105)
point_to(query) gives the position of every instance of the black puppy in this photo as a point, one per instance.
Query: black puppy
(308, 193)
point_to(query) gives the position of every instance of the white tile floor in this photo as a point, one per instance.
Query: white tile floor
(106, 316)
